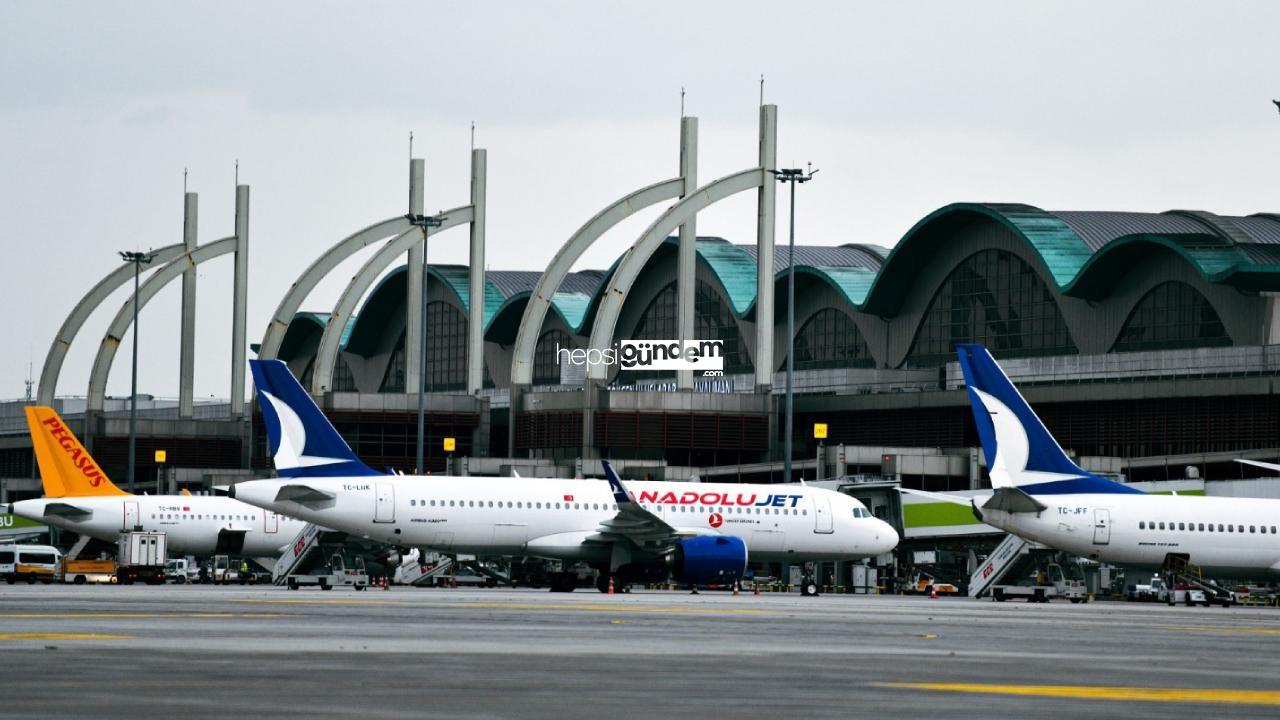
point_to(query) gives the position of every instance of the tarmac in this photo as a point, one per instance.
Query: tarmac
(195, 652)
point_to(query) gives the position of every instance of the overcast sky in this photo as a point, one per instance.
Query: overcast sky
(905, 107)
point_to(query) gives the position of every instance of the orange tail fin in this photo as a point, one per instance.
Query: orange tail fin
(65, 466)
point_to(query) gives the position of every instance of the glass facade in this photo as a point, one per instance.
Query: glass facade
(343, 380)
(830, 339)
(996, 299)
(712, 321)
(546, 370)
(1172, 315)
(393, 379)
(446, 352)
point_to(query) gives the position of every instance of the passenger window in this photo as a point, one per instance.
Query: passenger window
(413, 503)
(1142, 525)
(1182, 526)
(804, 512)
(1220, 528)
(1201, 527)
(1161, 526)
(1251, 528)
(1273, 529)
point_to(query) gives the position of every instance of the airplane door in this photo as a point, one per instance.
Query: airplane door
(822, 514)
(1101, 526)
(271, 521)
(131, 517)
(384, 509)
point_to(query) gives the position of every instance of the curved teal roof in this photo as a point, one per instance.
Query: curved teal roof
(1083, 254)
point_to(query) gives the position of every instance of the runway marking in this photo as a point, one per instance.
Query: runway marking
(1094, 692)
(122, 615)
(526, 606)
(929, 636)
(1230, 630)
(62, 636)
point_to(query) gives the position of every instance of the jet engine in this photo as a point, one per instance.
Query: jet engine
(710, 559)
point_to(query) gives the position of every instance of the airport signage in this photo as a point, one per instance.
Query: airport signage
(633, 355)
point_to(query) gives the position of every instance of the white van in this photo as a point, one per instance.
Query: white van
(29, 563)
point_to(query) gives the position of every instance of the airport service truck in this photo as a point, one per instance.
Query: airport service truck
(79, 572)
(1052, 584)
(333, 574)
(141, 557)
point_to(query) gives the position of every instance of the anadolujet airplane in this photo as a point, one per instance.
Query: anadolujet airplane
(1040, 494)
(79, 497)
(698, 533)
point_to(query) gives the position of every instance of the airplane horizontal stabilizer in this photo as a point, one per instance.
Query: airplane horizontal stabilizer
(1013, 500)
(66, 510)
(303, 494)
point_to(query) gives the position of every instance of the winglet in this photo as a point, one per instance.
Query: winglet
(620, 494)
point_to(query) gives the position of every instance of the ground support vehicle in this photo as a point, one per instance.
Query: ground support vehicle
(333, 574)
(80, 572)
(141, 557)
(1052, 583)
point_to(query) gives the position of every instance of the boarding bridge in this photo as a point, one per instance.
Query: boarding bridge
(1010, 556)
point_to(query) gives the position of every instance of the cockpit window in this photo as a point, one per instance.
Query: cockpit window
(860, 513)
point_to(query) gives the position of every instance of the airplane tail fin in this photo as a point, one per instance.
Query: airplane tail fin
(65, 465)
(302, 441)
(1020, 451)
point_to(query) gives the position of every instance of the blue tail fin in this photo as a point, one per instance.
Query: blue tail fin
(301, 439)
(1019, 450)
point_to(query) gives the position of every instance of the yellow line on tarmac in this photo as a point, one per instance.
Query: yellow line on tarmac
(1091, 692)
(121, 615)
(1229, 630)
(61, 636)
(525, 606)
(612, 608)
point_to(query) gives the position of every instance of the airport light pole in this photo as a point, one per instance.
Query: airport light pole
(793, 177)
(138, 259)
(425, 222)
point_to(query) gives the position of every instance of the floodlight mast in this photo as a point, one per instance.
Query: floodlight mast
(138, 259)
(793, 177)
(426, 222)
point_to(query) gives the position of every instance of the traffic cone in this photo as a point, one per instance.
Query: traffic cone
(735, 589)
(385, 586)
(933, 592)
(757, 587)
(610, 584)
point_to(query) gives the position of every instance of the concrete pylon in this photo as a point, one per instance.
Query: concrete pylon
(688, 252)
(475, 300)
(240, 301)
(764, 247)
(187, 343)
(413, 284)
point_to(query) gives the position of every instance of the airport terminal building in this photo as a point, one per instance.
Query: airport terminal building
(1149, 343)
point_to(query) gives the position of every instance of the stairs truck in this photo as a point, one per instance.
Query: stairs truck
(1050, 583)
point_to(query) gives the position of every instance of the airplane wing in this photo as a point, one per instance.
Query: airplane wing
(633, 522)
(66, 510)
(303, 494)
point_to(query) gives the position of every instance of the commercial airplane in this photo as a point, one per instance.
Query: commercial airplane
(81, 498)
(635, 531)
(1041, 495)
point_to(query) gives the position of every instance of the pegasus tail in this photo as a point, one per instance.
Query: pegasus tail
(66, 467)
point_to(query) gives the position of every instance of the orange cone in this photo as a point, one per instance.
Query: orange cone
(933, 592)
(610, 584)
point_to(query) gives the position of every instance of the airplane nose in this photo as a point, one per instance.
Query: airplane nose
(887, 537)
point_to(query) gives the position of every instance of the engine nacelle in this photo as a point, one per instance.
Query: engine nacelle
(710, 559)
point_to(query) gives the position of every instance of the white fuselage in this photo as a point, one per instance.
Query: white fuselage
(1224, 536)
(562, 519)
(193, 522)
